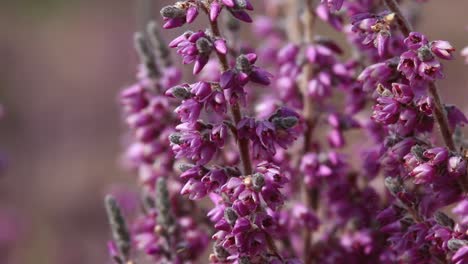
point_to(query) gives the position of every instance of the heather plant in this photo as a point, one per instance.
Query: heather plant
(291, 147)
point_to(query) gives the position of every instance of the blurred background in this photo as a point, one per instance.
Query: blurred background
(62, 63)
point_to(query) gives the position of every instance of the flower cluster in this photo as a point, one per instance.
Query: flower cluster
(245, 199)
(420, 62)
(197, 47)
(187, 11)
(374, 29)
(291, 139)
(400, 109)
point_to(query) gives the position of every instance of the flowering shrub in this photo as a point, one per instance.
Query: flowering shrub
(253, 158)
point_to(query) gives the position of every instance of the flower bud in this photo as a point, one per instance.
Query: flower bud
(183, 167)
(220, 252)
(285, 122)
(455, 244)
(244, 260)
(181, 92)
(172, 12)
(258, 181)
(146, 54)
(443, 220)
(163, 204)
(442, 49)
(423, 173)
(456, 166)
(243, 64)
(157, 41)
(203, 45)
(230, 215)
(418, 152)
(240, 4)
(175, 138)
(425, 54)
(118, 226)
(393, 185)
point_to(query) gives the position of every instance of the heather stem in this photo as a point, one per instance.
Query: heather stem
(441, 117)
(242, 143)
(438, 111)
(310, 196)
(235, 109)
(403, 23)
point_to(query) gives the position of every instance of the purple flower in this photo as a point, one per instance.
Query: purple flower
(420, 63)
(324, 52)
(402, 93)
(306, 217)
(430, 70)
(235, 79)
(415, 40)
(423, 173)
(237, 9)
(442, 49)
(194, 145)
(386, 111)
(374, 29)
(375, 74)
(461, 256)
(320, 87)
(461, 210)
(456, 166)
(409, 64)
(436, 155)
(189, 111)
(195, 189)
(197, 47)
(455, 116)
(329, 16)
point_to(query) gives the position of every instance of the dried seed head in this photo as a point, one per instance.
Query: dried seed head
(418, 152)
(407, 221)
(146, 55)
(285, 122)
(220, 252)
(183, 167)
(181, 92)
(443, 220)
(455, 244)
(425, 53)
(175, 138)
(244, 260)
(204, 46)
(458, 136)
(163, 55)
(243, 64)
(118, 226)
(289, 122)
(163, 204)
(240, 4)
(147, 202)
(230, 215)
(393, 185)
(258, 181)
(172, 12)
(382, 91)
(389, 18)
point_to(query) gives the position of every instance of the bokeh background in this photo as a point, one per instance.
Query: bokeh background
(62, 63)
